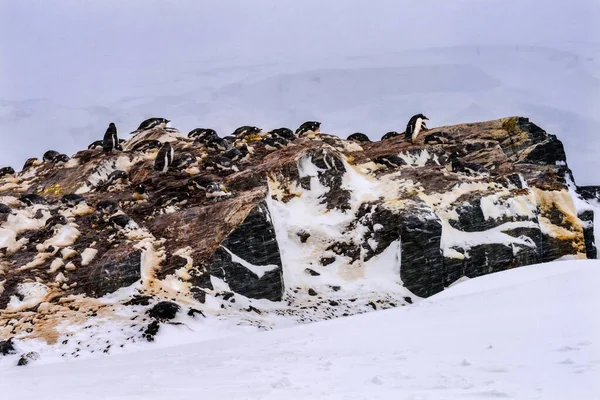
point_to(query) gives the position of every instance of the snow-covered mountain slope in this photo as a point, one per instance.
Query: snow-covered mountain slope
(357, 67)
(527, 333)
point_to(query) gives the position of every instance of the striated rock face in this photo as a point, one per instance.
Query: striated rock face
(321, 228)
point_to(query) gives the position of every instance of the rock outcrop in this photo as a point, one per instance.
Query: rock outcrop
(318, 229)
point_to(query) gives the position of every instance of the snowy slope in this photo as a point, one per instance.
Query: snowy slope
(528, 333)
(358, 67)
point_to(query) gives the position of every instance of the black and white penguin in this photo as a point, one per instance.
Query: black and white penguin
(390, 135)
(240, 153)
(454, 164)
(199, 183)
(31, 199)
(4, 209)
(183, 161)
(114, 177)
(152, 123)
(416, 124)
(140, 192)
(61, 159)
(274, 143)
(31, 162)
(107, 207)
(359, 137)
(309, 129)
(146, 145)
(97, 145)
(111, 139)
(219, 144)
(173, 199)
(164, 158)
(438, 138)
(6, 171)
(50, 156)
(56, 220)
(284, 133)
(122, 221)
(71, 200)
(202, 134)
(220, 163)
(247, 132)
(216, 190)
(390, 161)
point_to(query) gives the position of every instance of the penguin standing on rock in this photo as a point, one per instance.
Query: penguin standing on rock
(415, 125)
(309, 129)
(6, 171)
(152, 123)
(359, 137)
(164, 158)
(111, 140)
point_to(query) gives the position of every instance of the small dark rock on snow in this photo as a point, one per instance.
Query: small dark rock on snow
(164, 311)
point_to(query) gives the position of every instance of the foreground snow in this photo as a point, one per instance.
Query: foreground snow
(528, 333)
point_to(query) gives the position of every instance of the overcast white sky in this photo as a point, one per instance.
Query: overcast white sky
(70, 67)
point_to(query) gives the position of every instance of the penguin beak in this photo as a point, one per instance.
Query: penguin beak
(223, 188)
(426, 118)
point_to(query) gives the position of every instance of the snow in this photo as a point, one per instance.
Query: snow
(526, 333)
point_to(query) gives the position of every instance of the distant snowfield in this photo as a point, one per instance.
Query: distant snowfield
(528, 333)
(354, 65)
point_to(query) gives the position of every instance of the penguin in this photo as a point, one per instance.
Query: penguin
(139, 193)
(107, 207)
(31, 199)
(199, 183)
(222, 163)
(4, 209)
(415, 125)
(71, 200)
(113, 178)
(182, 161)
(241, 153)
(359, 137)
(438, 138)
(283, 133)
(121, 221)
(216, 190)
(309, 129)
(61, 159)
(274, 143)
(219, 144)
(97, 145)
(201, 134)
(164, 158)
(6, 171)
(247, 132)
(31, 162)
(390, 161)
(56, 220)
(151, 123)
(146, 145)
(172, 199)
(454, 164)
(50, 155)
(111, 140)
(390, 135)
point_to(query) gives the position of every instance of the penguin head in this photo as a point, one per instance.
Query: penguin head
(61, 158)
(112, 125)
(6, 171)
(424, 118)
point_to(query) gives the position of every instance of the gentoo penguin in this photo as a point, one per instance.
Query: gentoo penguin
(71, 200)
(415, 125)
(61, 159)
(139, 192)
(219, 144)
(390, 135)
(182, 161)
(283, 133)
(31, 162)
(201, 134)
(438, 138)
(309, 129)
(454, 164)
(146, 145)
(240, 153)
(113, 178)
(247, 132)
(31, 199)
(107, 207)
(216, 190)
(121, 221)
(4, 209)
(56, 220)
(151, 123)
(97, 145)
(274, 143)
(359, 137)
(6, 171)
(164, 158)
(51, 155)
(390, 161)
(222, 163)
(111, 140)
(199, 183)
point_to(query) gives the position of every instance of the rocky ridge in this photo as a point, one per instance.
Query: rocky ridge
(322, 228)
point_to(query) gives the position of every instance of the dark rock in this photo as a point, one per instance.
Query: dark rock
(588, 234)
(164, 311)
(151, 331)
(7, 347)
(28, 358)
(408, 300)
(312, 292)
(325, 261)
(114, 269)
(139, 301)
(311, 272)
(192, 312)
(303, 235)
